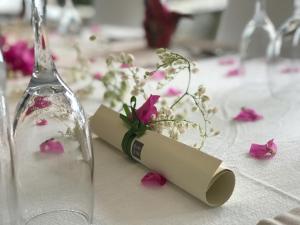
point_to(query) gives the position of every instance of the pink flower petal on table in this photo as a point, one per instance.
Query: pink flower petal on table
(98, 76)
(290, 70)
(125, 66)
(153, 179)
(173, 91)
(148, 109)
(265, 151)
(42, 122)
(234, 72)
(158, 75)
(247, 115)
(52, 146)
(226, 61)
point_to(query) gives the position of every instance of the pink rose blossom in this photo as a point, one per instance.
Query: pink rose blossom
(247, 115)
(98, 76)
(52, 146)
(148, 109)
(158, 75)
(20, 57)
(265, 151)
(234, 72)
(153, 179)
(41, 122)
(39, 103)
(172, 91)
(226, 61)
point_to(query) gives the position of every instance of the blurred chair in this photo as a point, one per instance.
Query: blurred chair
(116, 12)
(239, 12)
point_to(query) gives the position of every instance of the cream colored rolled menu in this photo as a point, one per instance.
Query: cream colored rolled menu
(194, 171)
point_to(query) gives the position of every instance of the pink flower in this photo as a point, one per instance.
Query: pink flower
(153, 179)
(39, 103)
(148, 109)
(247, 115)
(41, 122)
(158, 75)
(290, 70)
(234, 72)
(160, 23)
(52, 146)
(20, 57)
(265, 151)
(98, 76)
(226, 61)
(172, 91)
(125, 66)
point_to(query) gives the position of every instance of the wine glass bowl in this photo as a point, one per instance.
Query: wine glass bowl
(54, 157)
(284, 59)
(254, 44)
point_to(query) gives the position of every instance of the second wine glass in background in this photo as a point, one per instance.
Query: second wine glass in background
(257, 35)
(284, 60)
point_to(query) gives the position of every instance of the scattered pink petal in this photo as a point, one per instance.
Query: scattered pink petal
(42, 122)
(39, 103)
(52, 146)
(95, 28)
(153, 179)
(248, 115)
(290, 70)
(158, 75)
(265, 151)
(173, 91)
(54, 57)
(98, 76)
(226, 61)
(125, 66)
(234, 72)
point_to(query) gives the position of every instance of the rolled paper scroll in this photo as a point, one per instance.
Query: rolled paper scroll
(192, 170)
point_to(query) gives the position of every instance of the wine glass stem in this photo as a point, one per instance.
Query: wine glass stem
(260, 7)
(43, 58)
(297, 8)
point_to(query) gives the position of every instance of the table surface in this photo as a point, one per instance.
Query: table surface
(264, 188)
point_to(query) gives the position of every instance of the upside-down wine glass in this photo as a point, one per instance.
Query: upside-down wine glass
(54, 157)
(8, 203)
(257, 35)
(284, 60)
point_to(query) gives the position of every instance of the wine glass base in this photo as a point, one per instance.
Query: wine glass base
(60, 217)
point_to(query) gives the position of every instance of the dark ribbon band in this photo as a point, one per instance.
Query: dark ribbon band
(136, 128)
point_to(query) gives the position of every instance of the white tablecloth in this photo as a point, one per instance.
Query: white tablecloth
(263, 188)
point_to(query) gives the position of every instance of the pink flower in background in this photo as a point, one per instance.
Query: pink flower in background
(160, 23)
(158, 75)
(125, 66)
(98, 76)
(20, 57)
(290, 70)
(148, 109)
(39, 103)
(173, 91)
(41, 122)
(52, 146)
(226, 61)
(234, 72)
(153, 179)
(247, 115)
(265, 151)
